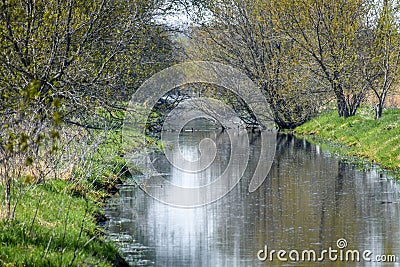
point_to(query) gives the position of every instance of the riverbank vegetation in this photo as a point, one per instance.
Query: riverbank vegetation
(311, 56)
(68, 68)
(304, 54)
(360, 136)
(54, 226)
(55, 221)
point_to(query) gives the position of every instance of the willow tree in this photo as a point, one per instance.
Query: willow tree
(243, 34)
(329, 33)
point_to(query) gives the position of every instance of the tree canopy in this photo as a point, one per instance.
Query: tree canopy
(62, 61)
(298, 50)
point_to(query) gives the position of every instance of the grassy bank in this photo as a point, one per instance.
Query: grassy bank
(54, 226)
(56, 220)
(360, 136)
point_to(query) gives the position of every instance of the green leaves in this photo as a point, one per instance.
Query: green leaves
(32, 90)
(60, 61)
(329, 32)
(248, 36)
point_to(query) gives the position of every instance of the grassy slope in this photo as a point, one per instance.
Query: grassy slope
(55, 237)
(377, 141)
(59, 209)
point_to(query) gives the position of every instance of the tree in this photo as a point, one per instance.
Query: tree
(243, 34)
(381, 52)
(328, 32)
(62, 61)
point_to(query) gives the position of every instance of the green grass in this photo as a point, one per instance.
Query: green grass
(360, 136)
(53, 227)
(55, 221)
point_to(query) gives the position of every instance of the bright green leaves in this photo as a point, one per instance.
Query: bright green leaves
(56, 103)
(33, 90)
(57, 118)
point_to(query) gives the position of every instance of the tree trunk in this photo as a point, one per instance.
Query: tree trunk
(343, 109)
(8, 197)
(378, 110)
(380, 105)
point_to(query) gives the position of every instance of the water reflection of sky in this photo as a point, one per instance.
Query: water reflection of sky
(309, 200)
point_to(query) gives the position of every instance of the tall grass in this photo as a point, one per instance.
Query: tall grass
(55, 218)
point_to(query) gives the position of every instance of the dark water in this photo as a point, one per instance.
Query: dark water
(309, 200)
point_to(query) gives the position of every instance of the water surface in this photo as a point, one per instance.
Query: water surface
(309, 200)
